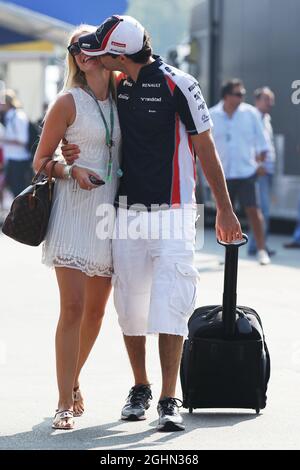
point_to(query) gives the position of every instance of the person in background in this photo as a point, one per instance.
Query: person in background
(242, 146)
(14, 142)
(264, 101)
(295, 243)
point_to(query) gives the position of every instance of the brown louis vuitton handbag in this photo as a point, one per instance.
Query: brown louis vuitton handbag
(29, 214)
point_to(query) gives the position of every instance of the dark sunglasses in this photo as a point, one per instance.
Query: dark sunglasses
(238, 95)
(74, 49)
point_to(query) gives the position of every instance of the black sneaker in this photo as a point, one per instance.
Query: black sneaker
(169, 416)
(138, 401)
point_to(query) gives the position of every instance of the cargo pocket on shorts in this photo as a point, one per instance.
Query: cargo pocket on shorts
(183, 295)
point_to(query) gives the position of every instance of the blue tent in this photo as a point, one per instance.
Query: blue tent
(27, 20)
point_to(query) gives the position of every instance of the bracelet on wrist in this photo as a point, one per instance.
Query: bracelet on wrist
(67, 171)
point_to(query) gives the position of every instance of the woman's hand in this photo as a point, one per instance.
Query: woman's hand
(82, 176)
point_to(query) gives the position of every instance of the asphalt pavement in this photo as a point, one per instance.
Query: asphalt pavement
(29, 312)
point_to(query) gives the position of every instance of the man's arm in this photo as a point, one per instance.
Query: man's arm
(261, 143)
(228, 227)
(193, 112)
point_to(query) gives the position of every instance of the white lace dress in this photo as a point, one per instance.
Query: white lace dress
(72, 238)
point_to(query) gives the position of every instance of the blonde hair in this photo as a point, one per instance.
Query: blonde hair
(74, 77)
(11, 99)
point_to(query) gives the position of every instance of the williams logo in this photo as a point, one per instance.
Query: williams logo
(157, 100)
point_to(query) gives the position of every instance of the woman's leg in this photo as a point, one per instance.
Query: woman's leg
(97, 290)
(71, 286)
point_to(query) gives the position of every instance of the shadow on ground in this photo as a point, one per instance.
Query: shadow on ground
(106, 437)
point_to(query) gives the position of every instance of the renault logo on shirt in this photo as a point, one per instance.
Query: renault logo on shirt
(151, 85)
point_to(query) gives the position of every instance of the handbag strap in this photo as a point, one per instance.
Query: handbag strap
(50, 176)
(40, 171)
(53, 163)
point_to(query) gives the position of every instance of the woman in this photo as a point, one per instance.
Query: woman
(84, 113)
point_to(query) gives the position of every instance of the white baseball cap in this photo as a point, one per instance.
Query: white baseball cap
(116, 35)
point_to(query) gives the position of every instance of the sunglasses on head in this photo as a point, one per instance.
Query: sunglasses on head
(74, 49)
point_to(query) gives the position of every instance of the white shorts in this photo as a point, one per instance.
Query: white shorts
(154, 279)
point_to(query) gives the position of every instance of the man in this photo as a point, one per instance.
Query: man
(242, 147)
(264, 101)
(14, 142)
(163, 116)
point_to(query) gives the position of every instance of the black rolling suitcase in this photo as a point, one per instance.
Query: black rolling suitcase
(225, 361)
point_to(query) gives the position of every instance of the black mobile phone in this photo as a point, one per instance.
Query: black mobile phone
(96, 181)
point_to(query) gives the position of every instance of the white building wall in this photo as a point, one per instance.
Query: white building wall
(27, 78)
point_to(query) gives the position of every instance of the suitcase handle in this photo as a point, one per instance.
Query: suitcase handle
(230, 283)
(237, 243)
(219, 309)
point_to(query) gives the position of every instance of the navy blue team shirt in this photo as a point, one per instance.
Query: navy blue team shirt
(158, 115)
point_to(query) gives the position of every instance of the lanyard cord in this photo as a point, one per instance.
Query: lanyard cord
(108, 133)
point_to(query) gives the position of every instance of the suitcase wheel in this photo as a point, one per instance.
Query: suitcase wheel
(257, 411)
(190, 410)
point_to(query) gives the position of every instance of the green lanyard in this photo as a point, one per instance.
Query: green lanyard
(109, 133)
